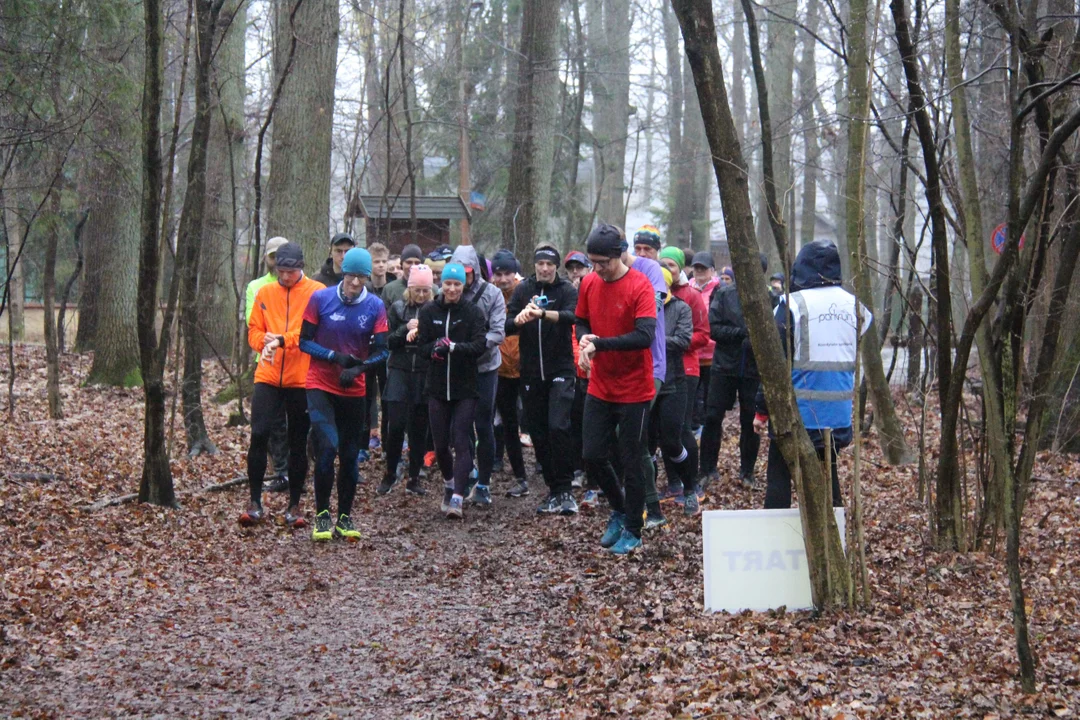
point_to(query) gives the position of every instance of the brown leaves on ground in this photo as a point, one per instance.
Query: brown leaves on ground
(135, 610)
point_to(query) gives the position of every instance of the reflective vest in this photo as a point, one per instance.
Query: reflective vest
(826, 331)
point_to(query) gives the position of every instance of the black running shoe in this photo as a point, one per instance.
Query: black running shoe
(551, 506)
(386, 485)
(520, 488)
(413, 487)
(278, 484)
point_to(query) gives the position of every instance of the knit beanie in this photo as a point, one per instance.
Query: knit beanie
(454, 271)
(290, 257)
(648, 235)
(357, 262)
(675, 254)
(606, 240)
(421, 277)
(412, 252)
(504, 260)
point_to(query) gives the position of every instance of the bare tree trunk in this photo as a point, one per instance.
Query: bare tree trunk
(156, 485)
(812, 152)
(66, 294)
(16, 289)
(830, 580)
(48, 294)
(894, 444)
(780, 66)
(680, 176)
(525, 216)
(573, 202)
(192, 229)
(611, 91)
(299, 183)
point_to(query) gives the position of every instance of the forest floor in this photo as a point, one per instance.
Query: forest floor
(136, 610)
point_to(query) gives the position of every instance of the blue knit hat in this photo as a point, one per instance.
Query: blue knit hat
(454, 271)
(357, 262)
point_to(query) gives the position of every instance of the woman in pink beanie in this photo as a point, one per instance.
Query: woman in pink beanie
(406, 406)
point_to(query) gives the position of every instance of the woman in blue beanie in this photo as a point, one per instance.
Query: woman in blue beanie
(452, 333)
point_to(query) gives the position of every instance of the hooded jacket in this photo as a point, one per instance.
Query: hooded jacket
(490, 301)
(679, 330)
(464, 324)
(732, 354)
(326, 274)
(699, 314)
(705, 355)
(823, 370)
(547, 348)
(404, 355)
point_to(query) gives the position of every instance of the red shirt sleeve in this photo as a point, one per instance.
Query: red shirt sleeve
(582, 310)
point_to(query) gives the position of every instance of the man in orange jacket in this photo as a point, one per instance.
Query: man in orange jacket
(280, 375)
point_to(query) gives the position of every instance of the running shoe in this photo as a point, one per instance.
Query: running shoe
(429, 458)
(520, 488)
(253, 515)
(345, 528)
(579, 480)
(447, 496)
(691, 506)
(455, 511)
(278, 484)
(386, 485)
(324, 527)
(362, 457)
(497, 466)
(628, 543)
(294, 517)
(480, 496)
(747, 480)
(567, 504)
(654, 518)
(526, 440)
(674, 493)
(708, 479)
(413, 487)
(590, 500)
(374, 443)
(551, 506)
(614, 529)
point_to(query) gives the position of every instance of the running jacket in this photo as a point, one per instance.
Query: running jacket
(490, 301)
(547, 348)
(280, 311)
(465, 325)
(404, 355)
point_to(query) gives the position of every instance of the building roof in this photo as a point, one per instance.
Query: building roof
(428, 207)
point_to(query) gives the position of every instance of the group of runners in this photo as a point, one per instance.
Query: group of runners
(613, 361)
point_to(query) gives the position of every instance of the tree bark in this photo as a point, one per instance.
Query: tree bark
(780, 66)
(528, 196)
(807, 92)
(15, 234)
(192, 229)
(680, 176)
(893, 443)
(111, 185)
(218, 303)
(830, 580)
(48, 295)
(299, 183)
(611, 91)
(156, 485)
(573, 208)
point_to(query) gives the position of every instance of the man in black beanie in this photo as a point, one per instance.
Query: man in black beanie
(541, 312)
(411, 256)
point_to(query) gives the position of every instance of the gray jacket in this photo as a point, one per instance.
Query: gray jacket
(489, 299)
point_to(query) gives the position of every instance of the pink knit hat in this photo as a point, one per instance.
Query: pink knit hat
(420, 276)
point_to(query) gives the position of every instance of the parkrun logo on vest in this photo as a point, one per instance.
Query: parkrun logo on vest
(836, 314)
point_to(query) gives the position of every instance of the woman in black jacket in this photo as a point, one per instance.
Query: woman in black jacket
(406, 406)
(453, 334)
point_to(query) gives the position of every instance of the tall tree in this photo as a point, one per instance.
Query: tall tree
(830, 581)
(893, 442)
(110, 184)
(609, 39)
(525, 215)
(298, 189)
(780, 68)
(192, 228)
(808, 93)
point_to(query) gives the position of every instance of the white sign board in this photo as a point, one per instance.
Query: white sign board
(756, 559)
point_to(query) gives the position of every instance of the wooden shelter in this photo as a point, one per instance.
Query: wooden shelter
(388, 220)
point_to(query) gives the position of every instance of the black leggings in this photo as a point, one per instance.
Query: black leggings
(581, 389)
(267, 404)
(451, 422)
(339, 423)
(548, 405)
(623, 426)
(723, 390)
(778, 477)
(688, 440)
(665, 430)
(509, 435)
(402, 417)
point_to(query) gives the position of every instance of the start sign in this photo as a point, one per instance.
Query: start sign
(1000, 236)
(756, 560)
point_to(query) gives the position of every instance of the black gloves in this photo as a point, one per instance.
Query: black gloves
(441, 350)
(348, 377)
(346, 360)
